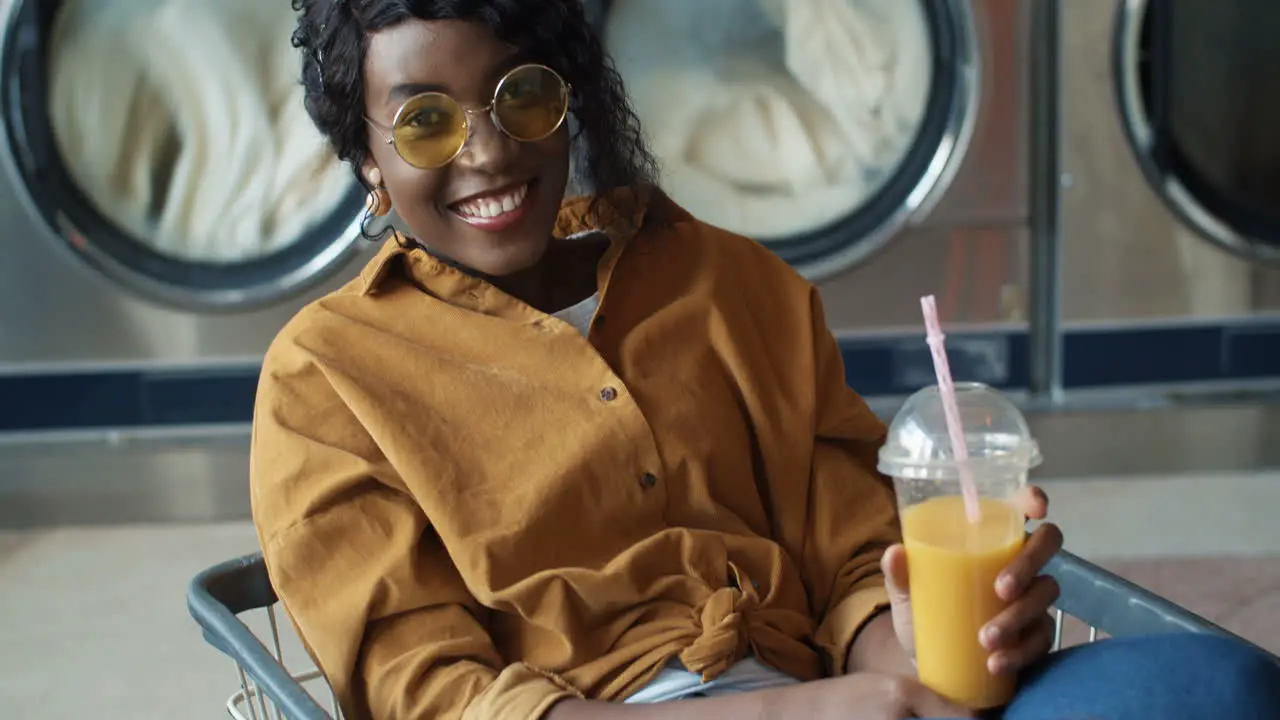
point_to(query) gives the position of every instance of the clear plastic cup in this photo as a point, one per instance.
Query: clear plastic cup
(953, 563)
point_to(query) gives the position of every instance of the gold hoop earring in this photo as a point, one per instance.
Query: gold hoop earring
(378, 200)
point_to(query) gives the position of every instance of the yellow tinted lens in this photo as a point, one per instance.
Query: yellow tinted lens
(430, 130)
(531, 103)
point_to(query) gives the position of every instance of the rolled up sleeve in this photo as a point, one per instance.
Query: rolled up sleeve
(852, 512)
(363, 576)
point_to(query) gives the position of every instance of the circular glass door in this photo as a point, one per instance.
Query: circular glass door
(1196, 86)
(817, 127)
(165, 141)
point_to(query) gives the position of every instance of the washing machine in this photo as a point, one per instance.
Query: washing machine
(166, 206)
(879, 146)
(1170, 193)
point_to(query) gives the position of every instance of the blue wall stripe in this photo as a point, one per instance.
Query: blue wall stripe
(121, 399)
(882, 365)
(1163, 355)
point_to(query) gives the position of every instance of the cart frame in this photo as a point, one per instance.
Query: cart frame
(217, 597)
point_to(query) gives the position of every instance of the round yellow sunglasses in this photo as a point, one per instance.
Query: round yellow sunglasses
(529, 104)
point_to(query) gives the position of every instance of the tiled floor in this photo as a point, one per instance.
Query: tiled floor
(93, 621)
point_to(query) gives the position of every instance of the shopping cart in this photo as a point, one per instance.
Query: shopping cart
(221, 595)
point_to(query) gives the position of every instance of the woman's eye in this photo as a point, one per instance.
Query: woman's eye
(429, 121)
(517, 92)
(425, 118)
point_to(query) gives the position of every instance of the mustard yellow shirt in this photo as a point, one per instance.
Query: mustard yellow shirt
(469, 510)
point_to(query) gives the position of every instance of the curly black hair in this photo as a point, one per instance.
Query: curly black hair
(607, 140)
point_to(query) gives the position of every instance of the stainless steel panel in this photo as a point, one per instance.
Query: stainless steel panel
(54, 310)
(202, 478)
(978, 274)
(1171, 441)
(1125, 256)
(991, 184)
(972, 249)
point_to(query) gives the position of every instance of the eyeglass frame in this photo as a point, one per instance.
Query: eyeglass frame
(490, 109)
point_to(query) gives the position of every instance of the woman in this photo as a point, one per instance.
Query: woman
(574, 458)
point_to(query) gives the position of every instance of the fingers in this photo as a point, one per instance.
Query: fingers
(894, 565)
(1040, 548)
(1008, 627)
(1035, 643)
(1033, 502)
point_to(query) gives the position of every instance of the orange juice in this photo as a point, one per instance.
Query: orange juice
(952, 567)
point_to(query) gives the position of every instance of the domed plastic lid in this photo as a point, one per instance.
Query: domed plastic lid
(919, 446)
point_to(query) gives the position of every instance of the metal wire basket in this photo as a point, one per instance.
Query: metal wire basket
(222, 599)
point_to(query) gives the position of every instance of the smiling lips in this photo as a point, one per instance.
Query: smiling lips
(495, 212)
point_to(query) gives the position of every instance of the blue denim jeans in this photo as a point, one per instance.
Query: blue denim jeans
(1163, 677)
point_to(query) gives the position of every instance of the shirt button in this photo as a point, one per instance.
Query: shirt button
(648, 480)
(609, 394)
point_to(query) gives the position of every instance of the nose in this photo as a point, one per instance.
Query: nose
(488, 149)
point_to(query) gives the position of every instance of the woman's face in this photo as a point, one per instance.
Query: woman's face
(465, 61)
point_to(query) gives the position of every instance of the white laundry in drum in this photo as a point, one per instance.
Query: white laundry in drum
(773, 118)
(182, 120)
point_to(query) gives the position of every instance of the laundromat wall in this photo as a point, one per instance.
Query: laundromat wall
(1140, 336)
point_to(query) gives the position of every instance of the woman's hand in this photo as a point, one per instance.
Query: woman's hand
(864, 696)
(1023, 632)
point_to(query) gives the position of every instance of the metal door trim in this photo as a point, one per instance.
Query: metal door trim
(1172, 191)
(306, 263)
(830, 250)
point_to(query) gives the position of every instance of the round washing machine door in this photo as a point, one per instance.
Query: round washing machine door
(817, 127)
(1195, 83)
(166, 143)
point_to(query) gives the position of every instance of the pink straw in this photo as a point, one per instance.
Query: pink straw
(947, 390)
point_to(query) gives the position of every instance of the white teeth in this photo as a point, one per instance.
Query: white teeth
(491, 207)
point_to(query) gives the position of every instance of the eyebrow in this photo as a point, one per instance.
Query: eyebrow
(404, 91)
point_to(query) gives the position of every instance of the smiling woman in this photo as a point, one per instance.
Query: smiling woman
(547, 456)
(475, 126)
(431, 129)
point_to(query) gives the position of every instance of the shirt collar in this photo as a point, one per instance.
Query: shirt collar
(576, 217)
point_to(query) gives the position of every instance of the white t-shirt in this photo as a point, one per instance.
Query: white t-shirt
(579, 315)
(675, 683)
